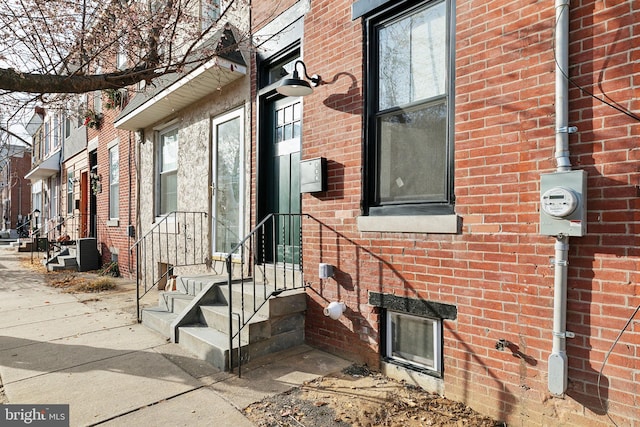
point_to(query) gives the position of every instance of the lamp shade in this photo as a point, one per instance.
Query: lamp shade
(294, 87)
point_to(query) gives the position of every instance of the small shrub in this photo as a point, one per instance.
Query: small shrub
(99, 285)
(110, 269)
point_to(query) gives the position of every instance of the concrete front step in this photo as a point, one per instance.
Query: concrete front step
(159, 320)
(213, 346)
(193, 285)
(200, 323)
(217, 317)
(65, 262)
(66, 259)
(174, 301)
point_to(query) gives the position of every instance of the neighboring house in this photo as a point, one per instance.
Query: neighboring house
(15, 199)
(75, 188)
(433, 183)
(99, 158)
(178, 122)
(45, 128)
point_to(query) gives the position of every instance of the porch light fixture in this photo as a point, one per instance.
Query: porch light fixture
(36, 213)
(295, 86)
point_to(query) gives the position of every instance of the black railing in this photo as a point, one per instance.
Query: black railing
(50, 234)
(276, 240)
(24, 228)
(178, 239)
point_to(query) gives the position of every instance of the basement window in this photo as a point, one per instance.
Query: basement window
(414, 342)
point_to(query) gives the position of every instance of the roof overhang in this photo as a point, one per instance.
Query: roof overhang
(193, 86)
(48, 167)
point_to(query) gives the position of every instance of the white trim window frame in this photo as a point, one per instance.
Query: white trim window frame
(210, 11)
(166, 188)
(228, 176)
(114, 182)
(414, 341)
(70, 195)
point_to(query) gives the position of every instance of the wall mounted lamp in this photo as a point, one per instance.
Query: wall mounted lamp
(295, 86)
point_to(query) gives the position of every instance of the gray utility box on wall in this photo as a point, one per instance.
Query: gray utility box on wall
(563, 203)
(313, 175)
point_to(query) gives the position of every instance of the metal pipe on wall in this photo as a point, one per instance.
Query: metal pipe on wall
(562, 85)
(558, 361)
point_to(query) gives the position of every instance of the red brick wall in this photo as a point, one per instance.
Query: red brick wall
(497, 271)
(262, 12)
(20, 187)
(109, 236)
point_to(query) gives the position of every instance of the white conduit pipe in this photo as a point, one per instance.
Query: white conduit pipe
(562, 85)
(558, 361)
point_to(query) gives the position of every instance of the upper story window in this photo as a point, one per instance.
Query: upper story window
(67, 126)
(167, 172)
(114, 182)
(209, 13)
(47, 138)
(409, 169)
(97, 102)
(121, 56)
(70, 198)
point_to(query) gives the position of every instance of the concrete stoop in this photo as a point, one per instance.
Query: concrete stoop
(64, 260)
(196, 315)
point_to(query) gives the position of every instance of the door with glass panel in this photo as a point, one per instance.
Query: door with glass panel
(228, 181)
(284, 168)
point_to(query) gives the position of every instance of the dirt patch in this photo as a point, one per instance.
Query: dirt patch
(72, 283)
(357, 397)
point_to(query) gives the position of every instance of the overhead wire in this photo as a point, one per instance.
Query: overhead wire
(604, 362)
(635, 312)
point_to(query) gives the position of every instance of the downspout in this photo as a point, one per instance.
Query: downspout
(558, 362)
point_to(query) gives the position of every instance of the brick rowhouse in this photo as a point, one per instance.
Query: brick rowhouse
(496, 270)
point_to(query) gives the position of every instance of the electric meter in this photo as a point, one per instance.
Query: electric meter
(559, 202)
(563, 203)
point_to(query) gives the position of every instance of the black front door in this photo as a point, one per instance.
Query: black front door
(282, 162)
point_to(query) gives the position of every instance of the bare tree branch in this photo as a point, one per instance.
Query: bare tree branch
(18, 137)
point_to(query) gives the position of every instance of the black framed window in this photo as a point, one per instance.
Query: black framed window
(409, 168)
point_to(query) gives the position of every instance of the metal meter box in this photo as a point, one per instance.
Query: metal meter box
(563, 203)
(313, 175)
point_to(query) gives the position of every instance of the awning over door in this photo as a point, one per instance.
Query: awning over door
(173, 92)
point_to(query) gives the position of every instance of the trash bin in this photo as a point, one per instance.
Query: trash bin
(42, 244)
(87, 255)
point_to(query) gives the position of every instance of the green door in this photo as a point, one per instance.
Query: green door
(284, 158)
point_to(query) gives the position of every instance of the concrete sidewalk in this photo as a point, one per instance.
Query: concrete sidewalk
(88, 351)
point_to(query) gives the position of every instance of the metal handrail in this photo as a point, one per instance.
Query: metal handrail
(161, 244)
(252, 252)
